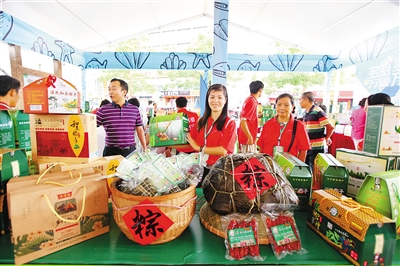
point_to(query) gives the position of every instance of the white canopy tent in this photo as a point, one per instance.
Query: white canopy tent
(313, 26)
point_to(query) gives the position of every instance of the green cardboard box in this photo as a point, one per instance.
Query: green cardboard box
(329, 173)
(13, 163)
(380, 191)
(299, 175)
(7, 134)
(382, 128)
(169, 130)
(360, 234)
(360, 164)
(21, 129)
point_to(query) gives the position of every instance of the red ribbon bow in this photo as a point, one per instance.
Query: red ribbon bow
(50, 81)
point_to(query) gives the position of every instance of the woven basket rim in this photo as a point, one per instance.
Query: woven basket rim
(182, 216)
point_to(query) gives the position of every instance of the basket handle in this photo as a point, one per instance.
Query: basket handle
(63, 219)
(79, 176)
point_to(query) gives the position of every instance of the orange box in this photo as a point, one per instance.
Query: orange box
(51, 95)
(64, 138)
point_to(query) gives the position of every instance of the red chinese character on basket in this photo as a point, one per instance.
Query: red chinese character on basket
(146, 222)
(253, 177)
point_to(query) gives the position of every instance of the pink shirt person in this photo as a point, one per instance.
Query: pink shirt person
(357, 119)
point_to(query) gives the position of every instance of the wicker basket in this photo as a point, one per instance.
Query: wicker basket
(212, 222)
(179, 207)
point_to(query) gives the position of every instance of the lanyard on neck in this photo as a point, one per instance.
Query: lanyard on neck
(281, 129)
(208, 133)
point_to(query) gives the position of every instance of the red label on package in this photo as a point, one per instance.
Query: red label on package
(58, 144)
(146, 222)
(253, 177)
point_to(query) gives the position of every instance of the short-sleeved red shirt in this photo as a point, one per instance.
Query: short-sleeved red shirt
(270, 134)
(192, 117)
(249, 111)
(225, 138)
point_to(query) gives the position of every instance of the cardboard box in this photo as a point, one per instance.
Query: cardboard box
(380, 191)
(329, 173)
(360, 234)
(7, 134)
(103, 165)
(299, 175)
(13, 163)
(360, 164)
(21, 129)
(66, 138)
(382, 130)
(168, 130)
(46, 218)
(51, 95)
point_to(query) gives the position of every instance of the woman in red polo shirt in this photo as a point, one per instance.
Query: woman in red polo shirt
(276, 134)
(216, 132)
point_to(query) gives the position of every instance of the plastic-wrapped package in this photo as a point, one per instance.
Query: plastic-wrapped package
(243, 182)
(147, 175)
(282, 230)
(242, 240)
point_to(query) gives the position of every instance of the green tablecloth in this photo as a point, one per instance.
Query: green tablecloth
(195, 246)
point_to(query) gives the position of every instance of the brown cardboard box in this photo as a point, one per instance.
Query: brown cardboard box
(357, 232)
(51, 95)
(64, 138)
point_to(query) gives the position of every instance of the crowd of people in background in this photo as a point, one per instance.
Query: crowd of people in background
(125, 124)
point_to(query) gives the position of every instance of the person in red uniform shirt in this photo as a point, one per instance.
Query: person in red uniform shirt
(277, 132)
(247, 131)
(9, 92)
(181, 103)
(215, 134)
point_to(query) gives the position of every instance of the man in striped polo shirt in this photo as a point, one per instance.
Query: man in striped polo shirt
(318, 127)
(120, 120)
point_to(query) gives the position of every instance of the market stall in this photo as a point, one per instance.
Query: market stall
(196, 245)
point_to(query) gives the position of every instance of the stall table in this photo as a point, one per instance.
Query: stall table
(196, 245)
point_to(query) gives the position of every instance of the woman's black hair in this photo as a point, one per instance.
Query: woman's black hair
(379, 98)
(362, 102)
(207, 112)
(284, 95)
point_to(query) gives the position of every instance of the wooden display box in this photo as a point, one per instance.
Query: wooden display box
(360, 234)
(380, 191)
(329, 173)
(360, 164)
(382, 130)
(299, 175)
(66, 138)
